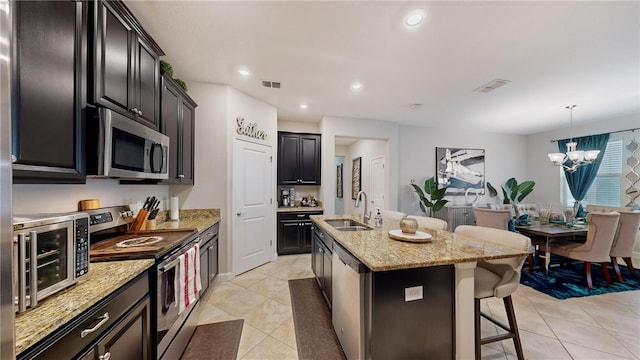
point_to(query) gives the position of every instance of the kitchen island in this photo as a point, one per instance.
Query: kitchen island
(442, 268)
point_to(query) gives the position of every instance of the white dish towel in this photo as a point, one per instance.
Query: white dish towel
(189, 283)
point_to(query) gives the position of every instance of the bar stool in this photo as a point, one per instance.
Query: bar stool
(499, 219)
(497, 278)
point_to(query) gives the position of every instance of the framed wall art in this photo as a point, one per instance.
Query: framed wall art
(356, 177)
(339, 181)
(460, 169)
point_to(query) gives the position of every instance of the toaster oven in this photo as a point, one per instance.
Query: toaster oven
(50, 253)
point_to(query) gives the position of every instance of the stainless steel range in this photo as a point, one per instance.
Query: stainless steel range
(110, 241)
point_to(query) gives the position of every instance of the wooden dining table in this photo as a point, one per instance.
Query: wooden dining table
(551, 232)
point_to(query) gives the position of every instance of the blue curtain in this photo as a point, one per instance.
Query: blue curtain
(580, 180)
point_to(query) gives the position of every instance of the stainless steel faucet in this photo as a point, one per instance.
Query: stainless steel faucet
(366, 216)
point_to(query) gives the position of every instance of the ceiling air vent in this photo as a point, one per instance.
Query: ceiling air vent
(271, 84)
(492, 85)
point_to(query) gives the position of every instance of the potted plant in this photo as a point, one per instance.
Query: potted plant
(512, 192)
(431, 198)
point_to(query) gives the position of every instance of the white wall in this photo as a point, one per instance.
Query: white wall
(505, 156)
(331, 127)
(547, 176)
(298, 126)
(35, 199)
(367, 150)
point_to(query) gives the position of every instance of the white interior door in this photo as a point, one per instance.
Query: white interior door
(377, 183)
(253, 223)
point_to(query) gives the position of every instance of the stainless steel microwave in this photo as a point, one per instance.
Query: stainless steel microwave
(50, 253)
(120, 147)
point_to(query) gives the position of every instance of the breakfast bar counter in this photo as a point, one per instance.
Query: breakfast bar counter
(379, 252)
(430, 282)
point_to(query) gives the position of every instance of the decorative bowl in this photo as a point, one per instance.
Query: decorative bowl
(408, 226)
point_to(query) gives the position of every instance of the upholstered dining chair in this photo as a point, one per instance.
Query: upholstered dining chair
(429, 222)
(390, 214)
(596, 249)
(497, 278)
(626, 234)
(529, 209)
(499, 219)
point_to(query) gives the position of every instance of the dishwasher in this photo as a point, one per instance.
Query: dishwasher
(348, 313)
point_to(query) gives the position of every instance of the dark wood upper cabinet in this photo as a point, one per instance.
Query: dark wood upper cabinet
(178, 121)
(126, 65)
(49, 85)
(299, 159)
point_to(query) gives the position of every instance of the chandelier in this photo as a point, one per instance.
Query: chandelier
(577, 158)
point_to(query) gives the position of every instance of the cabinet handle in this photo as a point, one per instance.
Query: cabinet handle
(103, 319)
(134, 110)
(301, 215)
(13, 158)
(181, 176)
(140, 112)
(106, 356)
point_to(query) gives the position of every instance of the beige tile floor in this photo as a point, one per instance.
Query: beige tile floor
(595, 327)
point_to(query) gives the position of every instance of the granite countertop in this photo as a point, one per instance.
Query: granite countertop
(104, 278)
(200, 219)
(379, 252)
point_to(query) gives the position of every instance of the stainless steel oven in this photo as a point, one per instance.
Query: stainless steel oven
(169, 318)
(50, 253)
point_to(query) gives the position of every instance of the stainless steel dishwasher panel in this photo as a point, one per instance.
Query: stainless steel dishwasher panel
(348, 313)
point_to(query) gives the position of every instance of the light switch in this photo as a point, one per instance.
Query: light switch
(413, 293)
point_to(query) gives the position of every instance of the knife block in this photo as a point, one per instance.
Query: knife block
(140, 220)
(149, 225)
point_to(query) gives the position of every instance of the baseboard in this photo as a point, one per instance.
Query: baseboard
(225, 276)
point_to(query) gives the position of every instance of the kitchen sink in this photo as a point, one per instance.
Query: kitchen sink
(348, 225)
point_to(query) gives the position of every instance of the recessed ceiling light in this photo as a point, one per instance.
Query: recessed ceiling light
(244, 72)
(415, 18)
(356, 86)
(304, 106)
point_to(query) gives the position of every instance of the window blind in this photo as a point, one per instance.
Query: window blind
(606, 188)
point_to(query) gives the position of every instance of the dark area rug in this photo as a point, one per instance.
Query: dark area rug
(568, 282)
(315, 336)
(214, 341)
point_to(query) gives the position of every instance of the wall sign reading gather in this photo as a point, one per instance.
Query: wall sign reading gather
(250, 130)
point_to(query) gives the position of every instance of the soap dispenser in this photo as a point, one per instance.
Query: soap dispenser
(378, 219)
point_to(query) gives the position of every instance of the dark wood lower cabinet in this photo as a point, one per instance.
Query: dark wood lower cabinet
(118, 325)
(321, 262)
(295, 231)
(128, 340)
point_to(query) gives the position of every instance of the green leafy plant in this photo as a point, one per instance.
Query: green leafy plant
(166, 68)
(512, 191)
(182, 84)
(430, 196)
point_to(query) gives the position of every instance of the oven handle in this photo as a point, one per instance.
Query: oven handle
(166, 266)
(22, 274)
(33, 269)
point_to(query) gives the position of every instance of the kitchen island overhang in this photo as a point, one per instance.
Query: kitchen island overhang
(380, 253)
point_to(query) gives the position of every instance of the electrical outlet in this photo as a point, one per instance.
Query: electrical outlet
(413, 293)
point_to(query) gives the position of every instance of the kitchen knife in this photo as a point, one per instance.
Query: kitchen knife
(153, 214)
